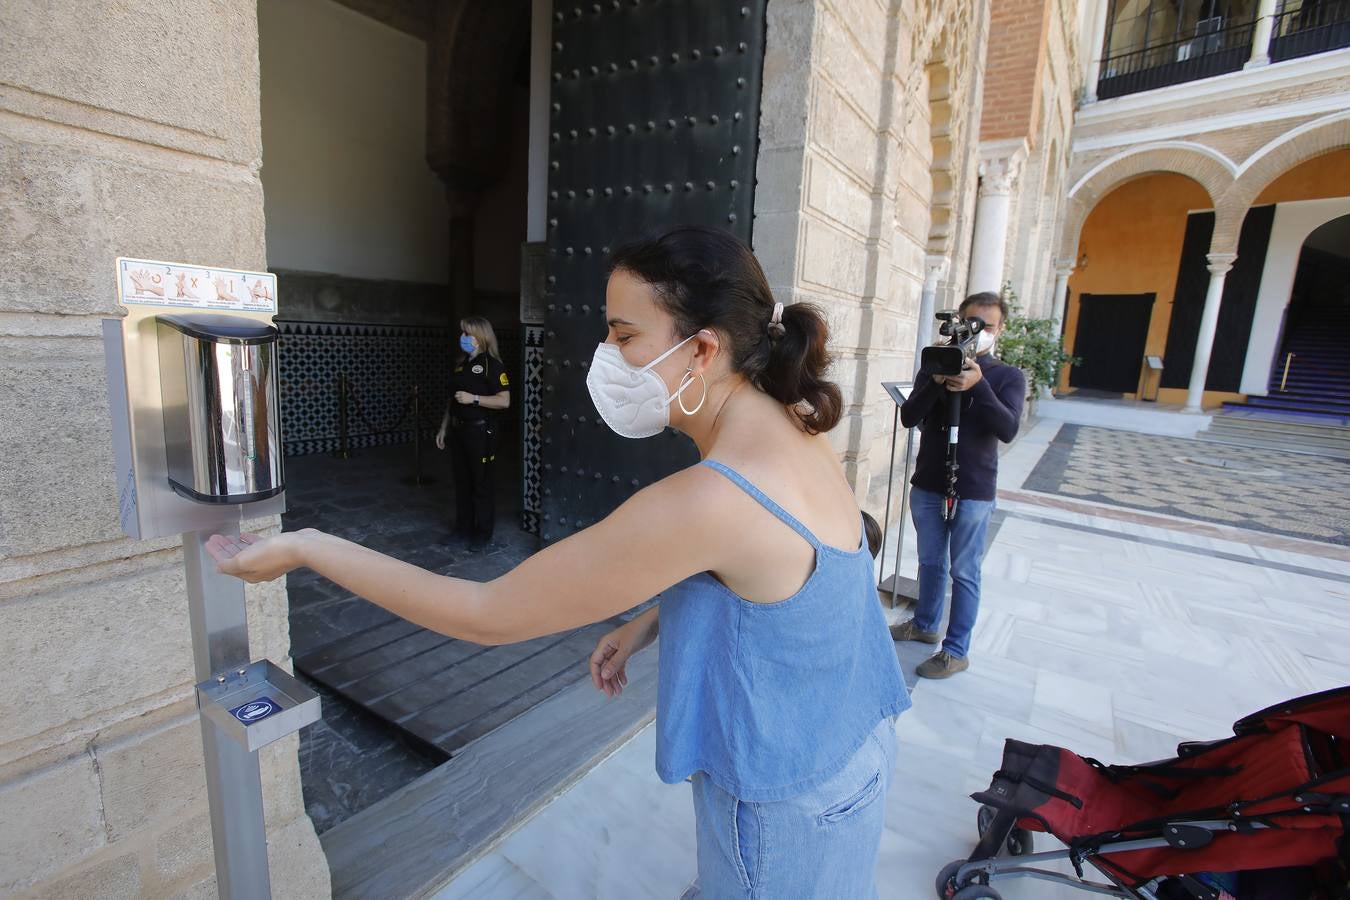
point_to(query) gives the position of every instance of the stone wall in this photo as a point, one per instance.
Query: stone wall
(843, 207)
(125, 129)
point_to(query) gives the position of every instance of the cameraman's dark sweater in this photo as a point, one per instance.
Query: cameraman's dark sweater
(990, 412)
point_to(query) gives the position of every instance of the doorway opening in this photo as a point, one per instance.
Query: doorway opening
(394, 151)
(1311, 375)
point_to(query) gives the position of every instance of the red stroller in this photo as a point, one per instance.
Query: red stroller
(1275, 795)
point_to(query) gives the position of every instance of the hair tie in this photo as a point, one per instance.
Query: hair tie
(776, 329)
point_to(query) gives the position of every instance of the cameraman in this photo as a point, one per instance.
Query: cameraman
(991, 410)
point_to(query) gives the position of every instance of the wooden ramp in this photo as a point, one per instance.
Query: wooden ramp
(446, 692)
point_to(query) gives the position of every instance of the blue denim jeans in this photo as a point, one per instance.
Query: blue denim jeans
(962, 543)
(819, 845)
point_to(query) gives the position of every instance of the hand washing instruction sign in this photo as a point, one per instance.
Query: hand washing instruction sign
(144, 282)
(255, 710)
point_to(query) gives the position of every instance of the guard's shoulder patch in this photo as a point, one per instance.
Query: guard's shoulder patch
(506, 382)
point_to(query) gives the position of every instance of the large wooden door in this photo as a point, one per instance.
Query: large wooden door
(1112, 331)
(655, 114)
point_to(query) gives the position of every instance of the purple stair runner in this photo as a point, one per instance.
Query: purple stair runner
(1317, 390)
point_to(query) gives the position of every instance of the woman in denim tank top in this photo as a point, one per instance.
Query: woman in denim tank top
(778, 681)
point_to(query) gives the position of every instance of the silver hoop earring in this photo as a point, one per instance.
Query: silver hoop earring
(679, 396)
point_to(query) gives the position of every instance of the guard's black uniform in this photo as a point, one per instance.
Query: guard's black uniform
(473, 444)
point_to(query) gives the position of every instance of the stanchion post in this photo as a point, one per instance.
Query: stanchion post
(344, 448)
(417, 434)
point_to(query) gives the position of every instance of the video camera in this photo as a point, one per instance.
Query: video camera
(959, 351)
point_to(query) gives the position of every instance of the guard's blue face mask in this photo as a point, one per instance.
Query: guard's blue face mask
(467, 344)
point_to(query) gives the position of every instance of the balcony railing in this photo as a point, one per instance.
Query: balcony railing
(1314, 27)
(1213, 51)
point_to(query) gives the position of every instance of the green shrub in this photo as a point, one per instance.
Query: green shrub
(1033, 345)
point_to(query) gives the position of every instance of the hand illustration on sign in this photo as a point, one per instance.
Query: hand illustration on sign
(223, 290)
(145, 283)
(185, 292)
(260, 291)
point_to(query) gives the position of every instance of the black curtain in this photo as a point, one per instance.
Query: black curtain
(1229, 355)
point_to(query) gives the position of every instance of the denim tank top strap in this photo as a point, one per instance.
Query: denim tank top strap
(783, 515)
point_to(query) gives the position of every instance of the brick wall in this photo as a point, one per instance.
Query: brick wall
(1016, 59)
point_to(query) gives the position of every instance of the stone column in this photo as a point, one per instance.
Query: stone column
(1219, 266)
(1265, 24)
(534, 252)
(998, 175)
(1095, 52)
(1063, 269)
(934, 270)
(541, 31)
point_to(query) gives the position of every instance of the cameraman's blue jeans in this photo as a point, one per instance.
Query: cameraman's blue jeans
(962, 543)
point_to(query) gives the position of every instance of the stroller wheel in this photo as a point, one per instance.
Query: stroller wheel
(985, 818)
(1020, 842)
(946, 880)
(977, 892)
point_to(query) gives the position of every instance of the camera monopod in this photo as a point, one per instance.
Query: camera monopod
(953, 432)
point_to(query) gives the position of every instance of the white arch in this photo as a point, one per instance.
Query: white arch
(1191, 146)
(1290, 135)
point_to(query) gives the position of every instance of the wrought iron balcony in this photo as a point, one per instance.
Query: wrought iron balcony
(1313, 26)
(1212, 51)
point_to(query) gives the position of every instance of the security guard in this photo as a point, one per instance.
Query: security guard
(479, 390)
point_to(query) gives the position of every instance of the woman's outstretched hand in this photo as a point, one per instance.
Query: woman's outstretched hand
(253, 558)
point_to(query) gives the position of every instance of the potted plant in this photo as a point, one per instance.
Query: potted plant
(1034, 346)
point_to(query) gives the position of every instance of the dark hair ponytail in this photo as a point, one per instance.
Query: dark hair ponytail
(707, 278)
(796, 368)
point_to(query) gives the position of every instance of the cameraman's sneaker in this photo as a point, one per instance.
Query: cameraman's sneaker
(942, 665)
(908, 631)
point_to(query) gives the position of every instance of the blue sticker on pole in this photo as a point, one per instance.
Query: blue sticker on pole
(255, 710)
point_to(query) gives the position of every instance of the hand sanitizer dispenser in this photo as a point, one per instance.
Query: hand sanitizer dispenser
(193, 390)
(222, 422)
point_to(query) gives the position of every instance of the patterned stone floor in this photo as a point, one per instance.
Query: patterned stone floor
(1111, 632)
(1293, 494)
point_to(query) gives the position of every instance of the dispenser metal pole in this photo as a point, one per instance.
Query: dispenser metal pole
(233, 779)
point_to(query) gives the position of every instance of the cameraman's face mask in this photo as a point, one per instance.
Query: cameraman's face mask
(633, 400)
(984, 341)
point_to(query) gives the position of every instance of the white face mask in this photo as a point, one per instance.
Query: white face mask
(984, 342)
(632, 400)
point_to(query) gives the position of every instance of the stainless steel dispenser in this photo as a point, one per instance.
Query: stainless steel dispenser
(222, 422)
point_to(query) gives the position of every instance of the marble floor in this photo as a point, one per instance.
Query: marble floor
(1109, 631)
